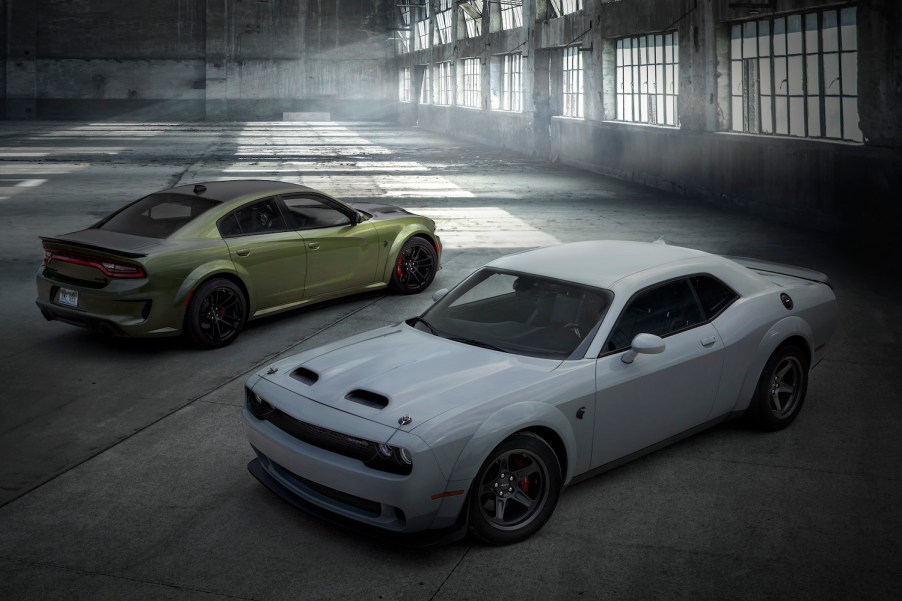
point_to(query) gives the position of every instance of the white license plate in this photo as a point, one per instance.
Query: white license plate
(68, 297)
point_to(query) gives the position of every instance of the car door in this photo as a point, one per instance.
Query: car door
(270, 256)
(655, 397)
(341, 254)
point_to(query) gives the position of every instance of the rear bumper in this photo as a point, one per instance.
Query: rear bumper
(129, 309)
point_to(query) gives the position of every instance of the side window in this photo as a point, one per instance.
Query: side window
(714, 296)
(662, 310)
(261, 217)
(310, 213)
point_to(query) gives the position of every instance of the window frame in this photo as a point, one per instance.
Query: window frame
(471, 84)
(572, 63)
(635, 58)
(511, 95)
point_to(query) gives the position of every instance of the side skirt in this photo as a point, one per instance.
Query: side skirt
(649, 449)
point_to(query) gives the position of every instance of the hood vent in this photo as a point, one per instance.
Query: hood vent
(306, 376)
(370, 399)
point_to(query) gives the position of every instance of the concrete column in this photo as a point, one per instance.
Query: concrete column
(217, 57)
(21, 61)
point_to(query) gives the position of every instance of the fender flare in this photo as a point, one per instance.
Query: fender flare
(206, 271)
(506, 422)
(408, 232)
(786, 328)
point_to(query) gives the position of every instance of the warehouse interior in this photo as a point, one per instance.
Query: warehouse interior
(762, 128)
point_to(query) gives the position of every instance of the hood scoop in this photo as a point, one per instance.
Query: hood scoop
(370, 399)
(305, 376)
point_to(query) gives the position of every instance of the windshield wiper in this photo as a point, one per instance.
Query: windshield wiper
(478, 343)
(419, 319)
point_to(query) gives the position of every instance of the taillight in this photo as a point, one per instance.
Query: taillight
(113, 269)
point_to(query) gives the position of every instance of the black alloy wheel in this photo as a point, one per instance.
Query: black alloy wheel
(415, 266)
(781, 389)
(516, 490)
(216, 314)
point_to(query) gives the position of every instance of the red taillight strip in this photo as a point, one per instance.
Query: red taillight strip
(96, 264)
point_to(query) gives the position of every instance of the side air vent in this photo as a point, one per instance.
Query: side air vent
(308, 377)
(370, 399)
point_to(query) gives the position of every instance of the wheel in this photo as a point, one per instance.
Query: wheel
(515, 491)
(216, 314)
(415, 267)
(781, 389)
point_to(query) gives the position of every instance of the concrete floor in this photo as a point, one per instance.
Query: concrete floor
(123, 461)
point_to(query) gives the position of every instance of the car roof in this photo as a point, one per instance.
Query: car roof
(225, 191)
(600, 263)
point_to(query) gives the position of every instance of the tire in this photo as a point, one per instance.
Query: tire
(415, 266)
(515, 491)
(216, 314)
(781, 390)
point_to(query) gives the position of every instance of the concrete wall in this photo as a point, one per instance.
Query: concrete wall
(194, 59)
(823, 184)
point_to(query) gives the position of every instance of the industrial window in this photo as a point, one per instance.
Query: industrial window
(472, 75)
(573, 82)
(443, 83)
(425, 87)
(512, 82)
(423, 34)
(405, 84)
(648, 79)
(796, 75)
(403, 36)
(560, 8)
(472, 11)
(511, 14)
(443, 20)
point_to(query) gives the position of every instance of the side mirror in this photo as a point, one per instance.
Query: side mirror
(646, 344)
(356, 218)
(439, 294)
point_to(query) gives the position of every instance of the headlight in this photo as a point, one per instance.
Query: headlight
(395, 460)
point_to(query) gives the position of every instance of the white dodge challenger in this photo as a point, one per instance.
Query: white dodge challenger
(539, 370)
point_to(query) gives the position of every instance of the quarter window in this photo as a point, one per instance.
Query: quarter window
(714, 296)
(661, 311)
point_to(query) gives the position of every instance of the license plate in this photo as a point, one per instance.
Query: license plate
(68, 297)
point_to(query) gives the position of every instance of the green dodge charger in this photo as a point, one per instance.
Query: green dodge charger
(204, 259)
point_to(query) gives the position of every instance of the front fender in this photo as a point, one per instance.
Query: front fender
(788, 327)
(406, 233)
(508, 421)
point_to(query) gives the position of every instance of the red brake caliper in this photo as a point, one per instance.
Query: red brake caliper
(518, 462)
(398, 268)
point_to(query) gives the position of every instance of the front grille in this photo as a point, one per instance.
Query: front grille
(330, 440)
(365, 505)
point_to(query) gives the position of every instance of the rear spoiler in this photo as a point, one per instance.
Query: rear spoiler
(122, 253)
(782, 269)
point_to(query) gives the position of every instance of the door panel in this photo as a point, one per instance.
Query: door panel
(657, 396)
(339, 258)
(274, 265)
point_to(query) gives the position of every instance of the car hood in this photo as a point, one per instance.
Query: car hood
(398, 372)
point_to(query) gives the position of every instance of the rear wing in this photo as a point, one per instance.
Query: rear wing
(78, 244)
(782, 269)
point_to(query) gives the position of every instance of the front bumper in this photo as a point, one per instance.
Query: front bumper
(343, 486)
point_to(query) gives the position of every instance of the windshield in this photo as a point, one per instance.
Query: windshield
(518, 313)
(157, 215)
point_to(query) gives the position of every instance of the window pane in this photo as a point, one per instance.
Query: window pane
(781, 116)
(850, 73)
(794, 29)
(764, 38)
(832, 117)
(749, 40)
(830, 35)
(831, 74)
(767, 118)
(780, 36)
(737, 113)
(764, 75)
(797, 116)
(812, 75)
(849, 29)
(780, 77)
(736, 76)
(814, 118)
(795, 75)
(811, 38)
(736, 41)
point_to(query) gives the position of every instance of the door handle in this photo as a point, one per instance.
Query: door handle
(313, 245)
(708, 341)
(243, 252)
